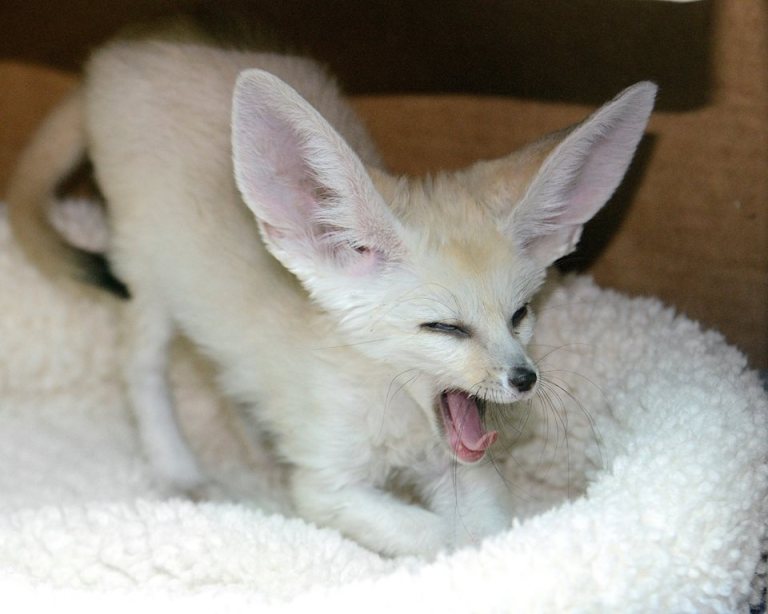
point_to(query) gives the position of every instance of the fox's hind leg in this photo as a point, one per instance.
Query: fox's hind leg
(148, 332)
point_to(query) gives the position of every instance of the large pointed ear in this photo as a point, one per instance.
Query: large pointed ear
(312, 197)
(579, 175)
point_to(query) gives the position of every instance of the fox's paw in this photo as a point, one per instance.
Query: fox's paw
(181, 477)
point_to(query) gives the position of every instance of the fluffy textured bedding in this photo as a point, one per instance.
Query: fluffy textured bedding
(639, 480)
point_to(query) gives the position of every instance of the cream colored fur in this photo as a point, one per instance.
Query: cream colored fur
(338, 302)
(57, 149)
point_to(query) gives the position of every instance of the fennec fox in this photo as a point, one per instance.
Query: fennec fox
(364, 319)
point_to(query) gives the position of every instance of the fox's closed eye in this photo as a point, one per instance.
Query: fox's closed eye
(519, 316)
(457, 330)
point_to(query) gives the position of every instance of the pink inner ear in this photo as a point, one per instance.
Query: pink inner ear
(601, 174)
(365, 261)
(282, 184)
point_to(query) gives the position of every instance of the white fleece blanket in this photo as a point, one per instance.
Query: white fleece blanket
(641, 487)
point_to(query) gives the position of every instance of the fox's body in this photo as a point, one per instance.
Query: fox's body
(355, 314)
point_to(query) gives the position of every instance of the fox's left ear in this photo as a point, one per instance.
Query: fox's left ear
(313, 199)
(579, 176)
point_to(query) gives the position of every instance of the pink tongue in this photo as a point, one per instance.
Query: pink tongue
(469, 438)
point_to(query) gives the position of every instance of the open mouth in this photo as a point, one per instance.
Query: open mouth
(465, 432)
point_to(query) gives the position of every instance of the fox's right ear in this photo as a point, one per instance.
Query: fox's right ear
(315, 203)
(579, 176)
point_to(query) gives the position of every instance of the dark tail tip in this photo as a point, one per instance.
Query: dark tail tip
(97, 272)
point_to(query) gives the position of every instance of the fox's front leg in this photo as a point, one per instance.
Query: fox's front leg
(472, 500)
(371, 516)
(148, 333)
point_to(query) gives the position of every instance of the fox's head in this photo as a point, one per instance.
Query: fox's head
(432, 276)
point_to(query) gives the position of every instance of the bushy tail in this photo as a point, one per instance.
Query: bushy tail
(56, 149)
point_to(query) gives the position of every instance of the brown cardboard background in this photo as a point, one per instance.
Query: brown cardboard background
(690, 224)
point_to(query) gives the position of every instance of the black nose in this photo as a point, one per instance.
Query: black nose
(523, 379)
